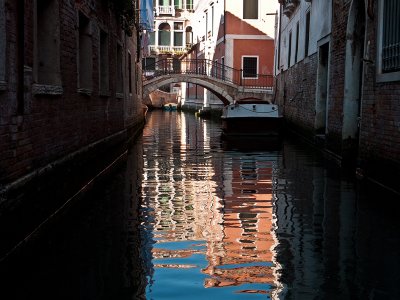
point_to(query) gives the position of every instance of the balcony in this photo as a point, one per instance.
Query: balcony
(165, 10)
(174, 50)
(289, 6)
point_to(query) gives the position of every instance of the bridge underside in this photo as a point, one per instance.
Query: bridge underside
(226, 92)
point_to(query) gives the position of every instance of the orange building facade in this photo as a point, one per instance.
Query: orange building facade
(232, 34)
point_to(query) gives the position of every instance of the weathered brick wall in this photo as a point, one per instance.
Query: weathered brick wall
(53, 126)
(295, 94)
(379, 150)
(337, 54)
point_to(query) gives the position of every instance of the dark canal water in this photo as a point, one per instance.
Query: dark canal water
(191, 216)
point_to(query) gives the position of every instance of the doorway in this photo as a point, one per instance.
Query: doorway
(321, 116)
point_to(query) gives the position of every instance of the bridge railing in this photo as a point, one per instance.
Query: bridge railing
(208, 68)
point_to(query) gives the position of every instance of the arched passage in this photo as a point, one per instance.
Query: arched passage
(353, 77)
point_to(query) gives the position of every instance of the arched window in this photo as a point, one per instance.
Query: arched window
(189, 36)
(164, 34)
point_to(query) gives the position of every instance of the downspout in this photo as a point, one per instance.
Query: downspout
(20, 55)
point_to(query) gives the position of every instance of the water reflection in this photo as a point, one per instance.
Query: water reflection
(210, 212)
(226, 220)
(215, 223)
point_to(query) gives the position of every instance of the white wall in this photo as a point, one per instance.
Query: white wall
(265, 23)
(320, 27)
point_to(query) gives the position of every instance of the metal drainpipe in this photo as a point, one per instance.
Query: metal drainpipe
(20, 56)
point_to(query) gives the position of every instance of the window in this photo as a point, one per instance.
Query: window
(119, 77)
(206, 12)
(178, 4)
(2, 45)
(189, 36)
(178, 38)
(297, 42)
(289, 49)
(164, 34)
(130, 72)
(152, 38)
(149, 63)
(47, 42)
(85, 53)
(391, 36)
(104, 62)
(189, 4)
(307, 37)
(250, 66)
(223, 68)
(250, 9)
(178, 34)
(212, 20)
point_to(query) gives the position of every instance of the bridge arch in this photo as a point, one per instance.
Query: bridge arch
(224, 91)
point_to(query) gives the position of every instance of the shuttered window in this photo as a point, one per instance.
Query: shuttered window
(391, 36)
(250, 9)
(250, 67)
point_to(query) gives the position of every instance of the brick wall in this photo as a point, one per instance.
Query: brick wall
(295, 94)
(52, 126)
(379, 151)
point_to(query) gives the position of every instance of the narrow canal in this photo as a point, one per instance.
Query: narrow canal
(191, 216)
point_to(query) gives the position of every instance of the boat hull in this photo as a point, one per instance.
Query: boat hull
(252, 126)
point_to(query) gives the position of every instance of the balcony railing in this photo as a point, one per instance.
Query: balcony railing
(208, 68)
(165, 10)
(167, 49)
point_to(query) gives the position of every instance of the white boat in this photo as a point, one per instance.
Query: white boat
(251, 117)
(170, 106)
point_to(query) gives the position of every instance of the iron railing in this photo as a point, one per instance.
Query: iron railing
(208, 68)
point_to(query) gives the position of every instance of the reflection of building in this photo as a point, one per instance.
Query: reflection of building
(236, 34)
(245, 255)
(221, 202)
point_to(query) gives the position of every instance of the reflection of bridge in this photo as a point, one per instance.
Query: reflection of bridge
(226, 83)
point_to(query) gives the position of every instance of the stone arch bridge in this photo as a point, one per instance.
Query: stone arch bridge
(226, 83)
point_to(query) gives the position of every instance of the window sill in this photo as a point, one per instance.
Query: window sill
(86, 92)
(47, 89)
(3, 85)
(119, 95)
(387, 77)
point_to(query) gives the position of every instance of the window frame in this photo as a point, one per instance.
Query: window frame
(257, 70)
(296, 48)
(104, 69)
(380, 76)
(307, 33)
(83, 86)
(42, 86)
(258, 10)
